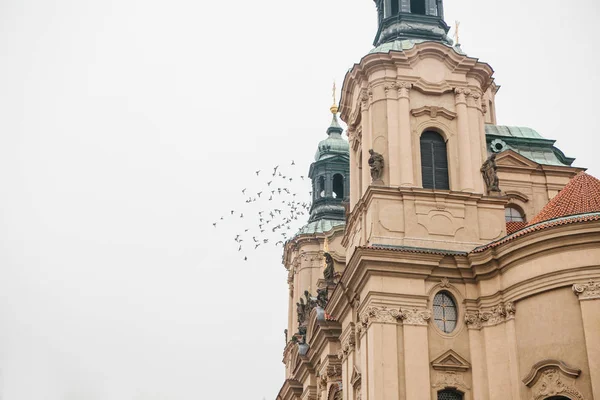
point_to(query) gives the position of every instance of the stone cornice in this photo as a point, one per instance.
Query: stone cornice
(434, 112)
(477, 319)
(587, 291)
(493, 260)
(406, 60)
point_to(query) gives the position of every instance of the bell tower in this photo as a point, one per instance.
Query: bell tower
(416, 108)
(411, 19)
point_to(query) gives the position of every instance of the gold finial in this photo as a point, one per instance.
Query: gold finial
(456, 33)
(334, 107)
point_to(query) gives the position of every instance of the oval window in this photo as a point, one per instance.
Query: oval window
(445, 313)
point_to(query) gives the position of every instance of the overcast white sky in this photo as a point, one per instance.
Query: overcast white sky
(129, 126)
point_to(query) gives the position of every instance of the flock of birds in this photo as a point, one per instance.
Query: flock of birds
(270, 215)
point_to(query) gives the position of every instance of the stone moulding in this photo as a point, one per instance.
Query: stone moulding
(535, 372)
(587, 291)
(549, 378)
(434, 112)
(496, 315)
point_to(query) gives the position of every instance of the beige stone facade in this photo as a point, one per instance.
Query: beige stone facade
(524, 309)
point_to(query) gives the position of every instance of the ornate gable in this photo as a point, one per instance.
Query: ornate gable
(450, 361)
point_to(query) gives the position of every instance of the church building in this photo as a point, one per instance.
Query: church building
(446, 257)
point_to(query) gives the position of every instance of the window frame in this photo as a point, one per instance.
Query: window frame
(430, 141)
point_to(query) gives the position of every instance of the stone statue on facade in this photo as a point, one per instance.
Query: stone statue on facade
(322, 297)
(329, 272)
(489, 169)
(303, 308)
(376, 162)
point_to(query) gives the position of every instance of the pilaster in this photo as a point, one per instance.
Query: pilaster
(499, 346)
(407, 177)
(365, 101)
(476, 135)
(464, 140)
(394, 148)
(589, 302)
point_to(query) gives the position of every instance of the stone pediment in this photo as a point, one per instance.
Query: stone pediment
(510, 158)
(450, 361)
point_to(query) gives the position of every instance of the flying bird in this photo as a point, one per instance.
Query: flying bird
(293, 163)
(257, 172)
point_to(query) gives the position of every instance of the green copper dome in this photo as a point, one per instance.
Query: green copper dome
(334, 144)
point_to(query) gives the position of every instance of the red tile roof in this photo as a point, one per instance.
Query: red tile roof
(513, 226)
(580, 196)
(538, 227)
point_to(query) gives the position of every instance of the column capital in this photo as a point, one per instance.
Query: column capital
(415, 316)
(403, 88)
(461, 95)
(474, 99)
(496, 315)
(587, 291)
(366, 97)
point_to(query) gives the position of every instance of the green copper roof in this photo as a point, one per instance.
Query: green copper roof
(527, 142)
(319, 226)
(334, 144)
(512, 131)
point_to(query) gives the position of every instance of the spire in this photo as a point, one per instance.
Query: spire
(413, 20)
(334, 127)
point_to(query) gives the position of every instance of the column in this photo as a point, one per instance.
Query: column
(416, 354)
(393, 156)
(366, 140)
(407, 177)
(474, 108)
(478, 356)
(464, 143)
(589, 301)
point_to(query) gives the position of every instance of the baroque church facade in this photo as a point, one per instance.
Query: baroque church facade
(446, 256)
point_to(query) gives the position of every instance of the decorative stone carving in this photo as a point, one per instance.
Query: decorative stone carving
(445, 283)
(587, 291)
(415, 317)
(403, 89)
(348, 344)
(379, 315)
(450, 379)
(551, 384)
(472, 320)
(489, 169)
(496, 315)
(461, 95)
(376, 163)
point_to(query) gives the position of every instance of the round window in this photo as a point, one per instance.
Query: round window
(445, 313)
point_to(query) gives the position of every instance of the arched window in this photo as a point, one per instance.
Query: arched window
(417, 7)
(321, 186)
(434, 161)
(338, 186)
(512, 214)
(395, 7)
(449, 394)
(445, 313)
